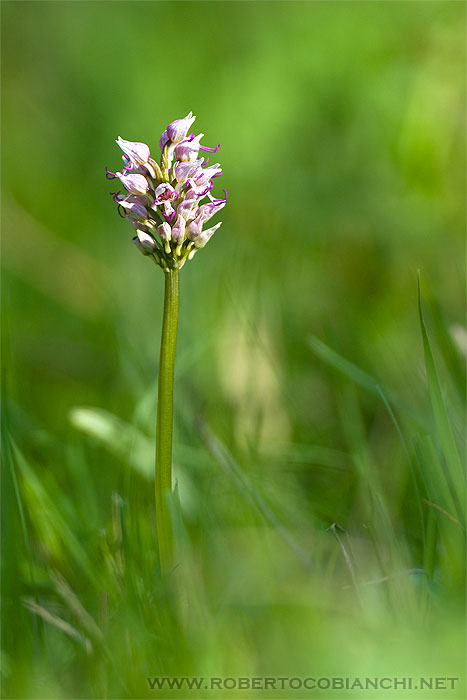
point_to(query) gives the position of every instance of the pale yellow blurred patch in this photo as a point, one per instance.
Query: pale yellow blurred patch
(459, 334)
(249, 373)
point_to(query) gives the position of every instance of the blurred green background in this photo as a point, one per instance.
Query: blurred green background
(302, 398)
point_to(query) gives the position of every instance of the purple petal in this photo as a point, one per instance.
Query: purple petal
(210, 150)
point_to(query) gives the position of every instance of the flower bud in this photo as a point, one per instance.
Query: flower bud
(201, 240)
(164, 232)
(178, 129)
(135, 206)
(135, 184)
(178, 230)
(164, 140)
(135, 150)
(194, 228)
(137, 225)
(144, 242)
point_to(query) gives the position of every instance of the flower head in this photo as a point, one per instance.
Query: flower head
(164, 203)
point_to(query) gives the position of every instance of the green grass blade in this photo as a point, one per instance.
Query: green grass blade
(352, 372)
(229, 465)
(455, 472)
(121, 439)
(332, 358)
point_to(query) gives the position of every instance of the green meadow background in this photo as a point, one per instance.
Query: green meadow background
(319, 424)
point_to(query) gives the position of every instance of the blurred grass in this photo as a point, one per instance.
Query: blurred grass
(319, 513)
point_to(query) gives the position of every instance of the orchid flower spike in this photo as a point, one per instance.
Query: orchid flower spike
(163, 203)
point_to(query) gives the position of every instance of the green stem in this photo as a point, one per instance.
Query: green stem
(165, 416)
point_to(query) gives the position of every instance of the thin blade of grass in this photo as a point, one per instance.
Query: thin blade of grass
(357, 375)
(452, 355)
(455, 472)
(56, 530)
(121, 439)
(226, 460)
(57, 622)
